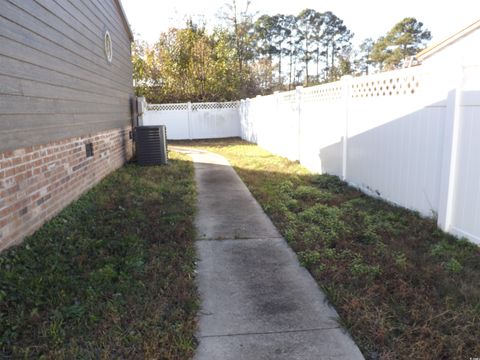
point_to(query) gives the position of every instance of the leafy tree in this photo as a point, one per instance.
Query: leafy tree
(292, 45)
(263, 36)
(227, 82)
(404, 40)
(336, 41)
(324, 35)
(262, 72)
(190, 65)
(362, 57)
(271, 34)
(240, 58)
(344, 67)
(282, 32)
(140, 76)
(309, 21)
(381, 53)
(145, 69)
(240, 23)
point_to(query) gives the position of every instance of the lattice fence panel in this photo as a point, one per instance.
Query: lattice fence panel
(215, 105)
(395, 84)
(287, 97)
(167, 107)
(323, 93)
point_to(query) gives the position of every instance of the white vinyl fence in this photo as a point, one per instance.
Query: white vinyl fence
(195, 120)
(409, 136)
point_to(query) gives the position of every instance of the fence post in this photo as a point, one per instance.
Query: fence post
(276, 96)
(298, 98)
(189, 113)
(241, 116)
(252, 124)
(346, 82)
(450, 154)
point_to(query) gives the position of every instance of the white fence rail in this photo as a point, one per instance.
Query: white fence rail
(196, 120)
(409, 136)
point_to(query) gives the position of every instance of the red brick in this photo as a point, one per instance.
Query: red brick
(7, 154)
(10, 172)
(47, 182)
(26, 158)
(16, 160)
(19, 169)
(4, 164)
(4, 221)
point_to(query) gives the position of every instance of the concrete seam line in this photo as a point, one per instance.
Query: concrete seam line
(240, 238)
(270, 332)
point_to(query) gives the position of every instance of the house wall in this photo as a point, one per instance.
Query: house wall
(55, 80)
(37, 182)
(59, 92)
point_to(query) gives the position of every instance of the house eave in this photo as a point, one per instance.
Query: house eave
(429, 51)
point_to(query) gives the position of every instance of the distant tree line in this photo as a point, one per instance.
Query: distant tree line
(251, 55)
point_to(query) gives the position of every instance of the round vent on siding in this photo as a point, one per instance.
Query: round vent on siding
(151, 142)
(108, 46)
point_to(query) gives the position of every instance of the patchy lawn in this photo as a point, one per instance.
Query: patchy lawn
(403, 288)
(112, 276)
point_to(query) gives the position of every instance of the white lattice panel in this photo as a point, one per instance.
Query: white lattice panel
(393, 83)
(167, 107)
(323, 93)
(288, 97)
(216, 105)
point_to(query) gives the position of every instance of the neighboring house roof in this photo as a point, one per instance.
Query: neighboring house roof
(124, 19)
(429, 51)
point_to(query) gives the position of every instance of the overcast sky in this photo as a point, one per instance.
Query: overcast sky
(366, 18)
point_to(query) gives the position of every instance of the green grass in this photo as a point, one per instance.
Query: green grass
(112, 276)
(403, 288)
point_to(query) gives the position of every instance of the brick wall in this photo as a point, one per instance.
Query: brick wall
(39, 181)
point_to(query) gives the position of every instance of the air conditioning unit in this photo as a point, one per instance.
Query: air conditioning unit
(151, 142)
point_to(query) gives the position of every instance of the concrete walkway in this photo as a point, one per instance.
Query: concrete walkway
(257, 301)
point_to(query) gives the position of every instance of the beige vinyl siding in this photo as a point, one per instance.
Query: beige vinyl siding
(55, 81)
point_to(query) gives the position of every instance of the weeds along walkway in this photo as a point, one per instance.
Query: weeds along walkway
(257, 301)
